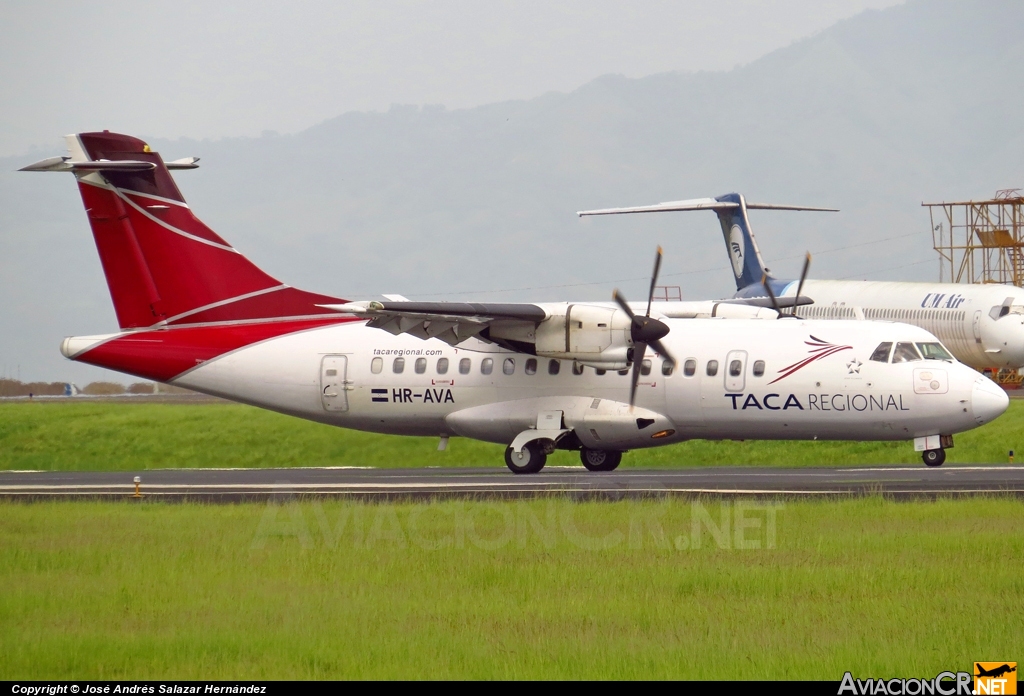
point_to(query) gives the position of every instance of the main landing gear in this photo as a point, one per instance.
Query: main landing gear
(600, 460)
(532, 457)
(934, 457)
(529, 460)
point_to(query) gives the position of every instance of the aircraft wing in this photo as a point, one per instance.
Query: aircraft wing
(782, 302)
(451, 322)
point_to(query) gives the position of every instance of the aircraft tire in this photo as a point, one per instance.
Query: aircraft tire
(530, 459)
(934, 457)
(600, 460)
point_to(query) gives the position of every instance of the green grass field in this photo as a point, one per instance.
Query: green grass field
(546, 588)
(126, 436)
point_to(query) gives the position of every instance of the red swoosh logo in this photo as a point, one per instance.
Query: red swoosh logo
(819, 349)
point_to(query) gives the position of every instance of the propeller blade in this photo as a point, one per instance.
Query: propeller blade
(638, 360)
(654, 280)
(660, 347)
(623, 304)
(775, 302)
(803, 277)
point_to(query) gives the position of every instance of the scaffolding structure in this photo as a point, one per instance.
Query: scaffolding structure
(668, 293)
(980, 241)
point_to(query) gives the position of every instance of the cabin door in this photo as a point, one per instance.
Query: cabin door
(334, 384)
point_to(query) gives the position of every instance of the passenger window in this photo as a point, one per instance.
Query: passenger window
(881, 353)
(332, 373)
(666, 367)
(486, 366)
(420, 365)
(712, 368)
(600, 372)
(690, 367)
(735, 368)
(905, 352)
(398, 366)
(442, 366)
(376, 365)
(577, 369)
(933, 351)
(645, 367)
(464, 366)
(509, 366)
(759, 368)
(553, 367)
(531, 366)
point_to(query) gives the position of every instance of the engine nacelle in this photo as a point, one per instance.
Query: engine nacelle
(589, 334)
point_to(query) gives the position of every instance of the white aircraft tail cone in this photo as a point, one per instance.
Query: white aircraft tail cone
(988, 400)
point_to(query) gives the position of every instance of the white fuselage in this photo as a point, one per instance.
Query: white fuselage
(968, 319)
(346, 375)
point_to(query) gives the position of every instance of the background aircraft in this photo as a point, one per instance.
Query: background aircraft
(981, 325)
(196, 313)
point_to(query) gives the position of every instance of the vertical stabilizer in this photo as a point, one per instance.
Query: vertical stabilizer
(747, 266)
(163, 266)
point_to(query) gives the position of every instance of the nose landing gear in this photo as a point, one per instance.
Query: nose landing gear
(933, 448)
(934, 457)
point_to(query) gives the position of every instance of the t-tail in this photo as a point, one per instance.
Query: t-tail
(747, 265)
(166, 270)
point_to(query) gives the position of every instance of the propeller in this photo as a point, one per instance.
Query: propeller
(803, 277)
(799, 289)
(644, 331)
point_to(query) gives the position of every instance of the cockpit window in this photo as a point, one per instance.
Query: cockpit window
(881, 353)
(933, 351)
(905, 352)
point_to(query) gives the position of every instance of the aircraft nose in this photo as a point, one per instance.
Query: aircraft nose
(988, 400)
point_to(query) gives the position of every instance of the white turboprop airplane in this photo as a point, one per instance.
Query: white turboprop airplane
(196, 313)
(981, 325)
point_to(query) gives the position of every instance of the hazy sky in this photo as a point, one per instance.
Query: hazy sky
(202, 69)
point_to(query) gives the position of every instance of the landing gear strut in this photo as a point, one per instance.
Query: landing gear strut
(934, 457)
(530, 459)
(600, 460)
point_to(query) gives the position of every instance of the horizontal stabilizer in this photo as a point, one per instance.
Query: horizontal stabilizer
(699, 204)
(770, 206)
(65, 164)
(183, 163)
(692, 204)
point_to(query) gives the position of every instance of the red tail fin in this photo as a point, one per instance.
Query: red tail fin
(163, 265)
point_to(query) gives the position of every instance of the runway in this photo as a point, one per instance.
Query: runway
(239, 485)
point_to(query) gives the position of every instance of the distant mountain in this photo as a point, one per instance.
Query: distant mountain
(873, 116)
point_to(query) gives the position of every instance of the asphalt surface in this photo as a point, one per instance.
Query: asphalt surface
(237, 485)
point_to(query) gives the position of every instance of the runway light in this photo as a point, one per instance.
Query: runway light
(1011, 456)
(663, 433)
(138, 480)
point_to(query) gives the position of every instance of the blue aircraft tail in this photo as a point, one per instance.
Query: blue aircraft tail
(747, 265)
